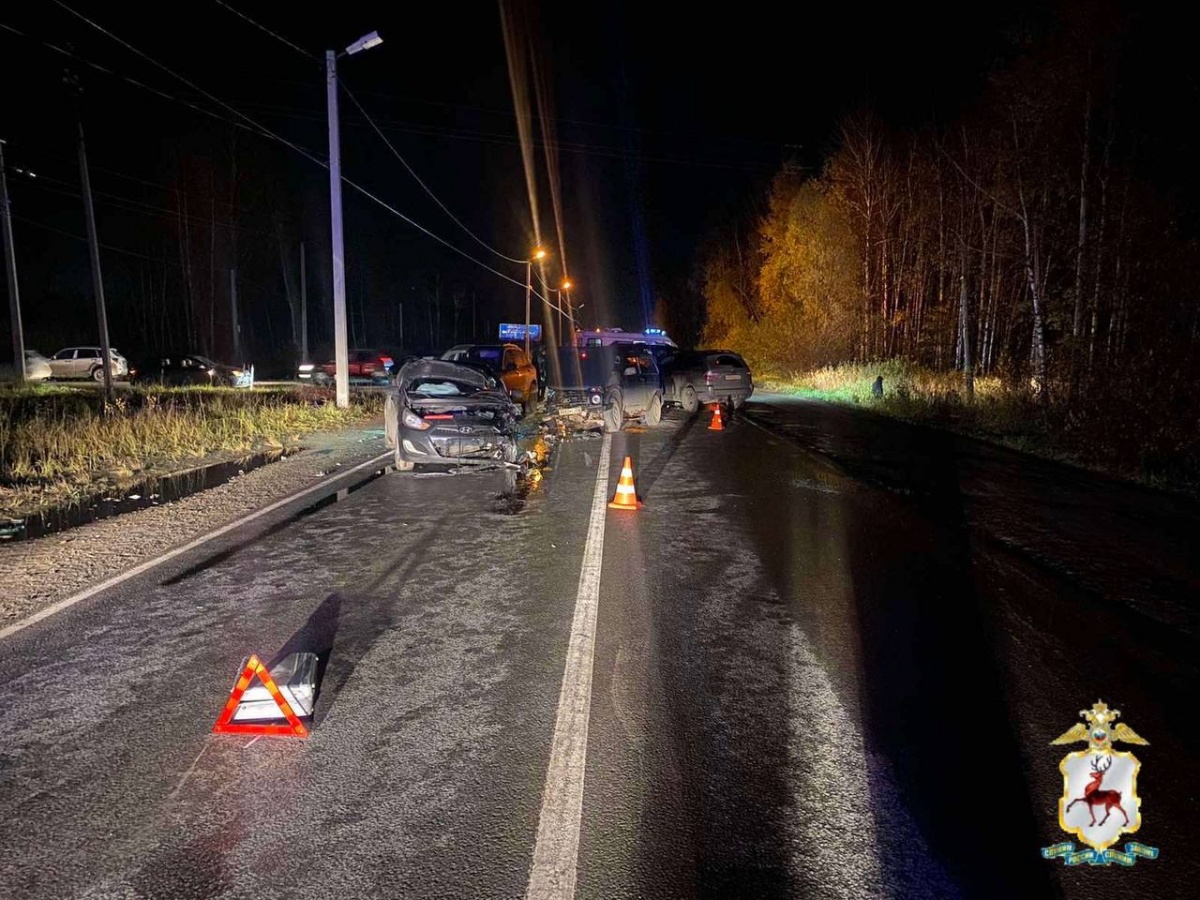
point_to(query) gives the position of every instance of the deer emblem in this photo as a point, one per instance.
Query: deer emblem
(1093, 796)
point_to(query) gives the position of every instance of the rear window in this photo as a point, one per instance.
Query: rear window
(726, 360)
(490, 355)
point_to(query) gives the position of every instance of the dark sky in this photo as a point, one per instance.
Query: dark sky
(667, 121)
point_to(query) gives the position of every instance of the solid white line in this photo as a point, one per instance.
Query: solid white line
(552, 875)
(171, 554)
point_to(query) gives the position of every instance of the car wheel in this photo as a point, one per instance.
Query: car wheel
(401, 464)
(689, 401)
(98, 374)
(391, 420)
(614, 413)
(654, 413)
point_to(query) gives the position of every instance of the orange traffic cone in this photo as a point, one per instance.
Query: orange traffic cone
(626, 496)
(716, 424)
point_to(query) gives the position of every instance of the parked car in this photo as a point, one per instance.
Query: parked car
(445, 413)
(176, 369)
(607, 384)
(509, 361)
(709, 376)
(85, 362)
(365, 366)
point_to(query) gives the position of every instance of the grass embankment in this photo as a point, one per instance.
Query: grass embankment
(61, 444)
(1119, 433)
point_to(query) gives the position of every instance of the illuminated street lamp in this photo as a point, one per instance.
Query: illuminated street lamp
(538, 254)
(341, 354)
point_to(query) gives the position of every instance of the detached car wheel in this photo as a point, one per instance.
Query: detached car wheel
(391, 420)
(401, 464)
(689, 401)
(614, 413)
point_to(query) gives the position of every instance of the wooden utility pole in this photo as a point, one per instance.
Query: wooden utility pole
(235, 322)
(10, 259)
(303, 308)
(97, 280)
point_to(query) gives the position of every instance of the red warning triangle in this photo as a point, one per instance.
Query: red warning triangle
(225, 723)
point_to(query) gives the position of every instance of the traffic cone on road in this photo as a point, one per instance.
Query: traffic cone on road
(716, 424)
(626, 495)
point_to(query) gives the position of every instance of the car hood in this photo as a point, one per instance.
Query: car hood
(439, 368)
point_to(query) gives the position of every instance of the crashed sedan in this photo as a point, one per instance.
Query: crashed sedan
(446, 413)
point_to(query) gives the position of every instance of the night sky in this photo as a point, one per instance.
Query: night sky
(667, 122)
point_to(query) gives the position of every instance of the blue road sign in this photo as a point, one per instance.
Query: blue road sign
(516, 332)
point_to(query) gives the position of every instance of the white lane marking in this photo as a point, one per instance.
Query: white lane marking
(178, 551)
(552, 875)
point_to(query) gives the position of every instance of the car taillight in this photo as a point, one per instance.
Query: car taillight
(709, 377)
(387, 361)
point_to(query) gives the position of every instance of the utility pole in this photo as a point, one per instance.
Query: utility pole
(400, 317)
(528, 292)
(340, 351)
(236, 322)
(10, 259)
(303, 307)
(97, 280)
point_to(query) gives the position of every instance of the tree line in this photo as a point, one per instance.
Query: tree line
(1021, 240)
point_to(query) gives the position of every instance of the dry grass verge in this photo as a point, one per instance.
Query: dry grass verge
(64, 444)
(1116, 432)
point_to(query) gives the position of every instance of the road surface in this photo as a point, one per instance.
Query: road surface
(826, 659)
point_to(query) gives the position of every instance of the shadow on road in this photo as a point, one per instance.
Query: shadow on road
(932, 686)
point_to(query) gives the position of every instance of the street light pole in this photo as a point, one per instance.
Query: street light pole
(341, 354)
(10, 259)
(340, 351)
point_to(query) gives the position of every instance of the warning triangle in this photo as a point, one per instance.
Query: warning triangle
(255, 669)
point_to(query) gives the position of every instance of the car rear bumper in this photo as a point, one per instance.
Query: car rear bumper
(715, 393)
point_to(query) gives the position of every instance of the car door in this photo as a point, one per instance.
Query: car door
(61, 362)
(510, 373)
(527, 369)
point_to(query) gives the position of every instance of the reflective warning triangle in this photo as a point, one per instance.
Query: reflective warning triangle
(225, 724)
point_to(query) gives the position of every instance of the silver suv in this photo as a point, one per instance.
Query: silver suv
(85, 362)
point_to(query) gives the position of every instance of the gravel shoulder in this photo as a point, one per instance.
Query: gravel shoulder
(39, 572)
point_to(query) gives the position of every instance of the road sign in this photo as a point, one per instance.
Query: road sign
(516, 332)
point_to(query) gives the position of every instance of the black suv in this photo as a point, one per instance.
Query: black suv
(606, 384)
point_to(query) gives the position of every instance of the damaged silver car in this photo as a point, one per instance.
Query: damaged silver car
(446, 413)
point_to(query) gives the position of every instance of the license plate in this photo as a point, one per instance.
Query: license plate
(733, 377)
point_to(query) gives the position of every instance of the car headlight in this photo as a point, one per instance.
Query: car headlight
(237, 373)
(412, 420)
(212, 371)
(595, 400)
(307, 367)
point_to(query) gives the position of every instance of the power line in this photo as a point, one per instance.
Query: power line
(262, 130)
(382, 137)
(424, 186)
(261, 27)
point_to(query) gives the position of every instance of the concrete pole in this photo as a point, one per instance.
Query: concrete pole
(10, 259)
(97, 280)
(340, 351)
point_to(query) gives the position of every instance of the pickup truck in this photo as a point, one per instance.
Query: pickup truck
(608, 385)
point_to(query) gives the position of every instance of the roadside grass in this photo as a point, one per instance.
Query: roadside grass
(62, 444)
(1117, 433)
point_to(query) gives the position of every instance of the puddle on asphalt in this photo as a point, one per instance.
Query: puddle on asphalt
(148, 492)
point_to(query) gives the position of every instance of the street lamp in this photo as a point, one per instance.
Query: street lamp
(341, 354)
(538, 254)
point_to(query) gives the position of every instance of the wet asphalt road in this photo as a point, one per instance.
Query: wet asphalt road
(830, 654)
